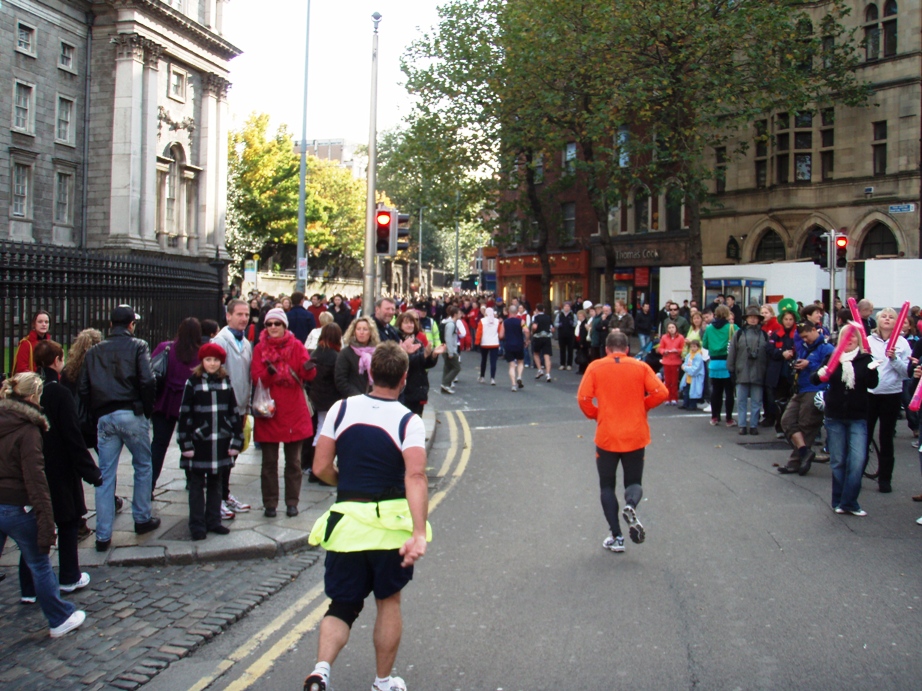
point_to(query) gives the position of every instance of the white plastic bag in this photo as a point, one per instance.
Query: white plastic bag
(263, 404)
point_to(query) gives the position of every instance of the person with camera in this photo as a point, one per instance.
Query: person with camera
(747, 361)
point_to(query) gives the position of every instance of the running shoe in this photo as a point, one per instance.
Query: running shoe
(635, 529)
(392, 684)
(615, 544)
(317, 681)
(480, 380)
(82, 583)
(540, 374)
(731, 422)
(492, 382)
(706, 408)
(447, 389)
(27, 600)
(71, 623)
(226, 513)
(236, 505)
(520, 383)
(515, 389)
(561, 368)
(569, 367)
(861, 513)
(548, 379)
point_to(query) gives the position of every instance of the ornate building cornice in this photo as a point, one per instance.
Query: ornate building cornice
(215, 84)
(177, 19)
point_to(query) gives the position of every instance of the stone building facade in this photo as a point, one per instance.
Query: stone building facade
(118, 124)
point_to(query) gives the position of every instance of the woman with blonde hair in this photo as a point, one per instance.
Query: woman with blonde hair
(314, 336)
(85, 340)
(353, 364)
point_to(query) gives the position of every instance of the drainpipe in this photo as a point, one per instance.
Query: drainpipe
(90, 19)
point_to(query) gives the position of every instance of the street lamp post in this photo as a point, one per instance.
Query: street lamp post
(368, 284)
(301, 270)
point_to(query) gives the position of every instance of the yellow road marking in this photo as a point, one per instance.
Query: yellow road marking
(264, 662)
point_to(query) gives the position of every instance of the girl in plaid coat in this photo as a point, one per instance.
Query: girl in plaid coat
(210, 435)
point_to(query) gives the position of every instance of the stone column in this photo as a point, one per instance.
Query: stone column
(149, 191)
(223, 124)
(208, 140)
(127, 132)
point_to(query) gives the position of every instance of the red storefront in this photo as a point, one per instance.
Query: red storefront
(520, 275)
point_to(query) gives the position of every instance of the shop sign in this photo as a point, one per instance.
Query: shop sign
(641, 277)
(649, 254)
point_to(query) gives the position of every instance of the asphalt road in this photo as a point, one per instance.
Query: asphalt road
(747, 579)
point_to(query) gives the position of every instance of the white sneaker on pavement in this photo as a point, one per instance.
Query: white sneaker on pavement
(72, 622)
(226, 513)
(236, 505)
(392, 684)
(615, 544)
(82, 583)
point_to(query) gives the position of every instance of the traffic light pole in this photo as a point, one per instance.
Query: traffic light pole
(301, 269)
(831, 263)
(368, 284)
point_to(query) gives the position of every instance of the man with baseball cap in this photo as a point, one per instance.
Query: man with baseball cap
(118, 387)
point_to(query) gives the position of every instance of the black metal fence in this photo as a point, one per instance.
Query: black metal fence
(79, 290)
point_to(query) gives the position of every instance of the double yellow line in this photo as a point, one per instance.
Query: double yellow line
(460, 448)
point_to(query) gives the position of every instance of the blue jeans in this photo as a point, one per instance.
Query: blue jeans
(748, 404)
(23, 528)
(847, 441)
(115, 430)
(644, 339)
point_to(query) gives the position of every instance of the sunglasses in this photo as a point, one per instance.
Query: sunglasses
(274, 324)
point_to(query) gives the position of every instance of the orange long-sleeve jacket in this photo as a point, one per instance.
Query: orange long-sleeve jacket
(624, 390)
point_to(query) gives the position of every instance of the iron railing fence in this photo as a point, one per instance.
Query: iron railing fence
(79, 289)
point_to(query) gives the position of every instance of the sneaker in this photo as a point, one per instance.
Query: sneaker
(515, 389)
(731, 422)
(548, 378)
(714, 422)
(393, 684)
(635, 528)
(82, 583)
(919, 520)
(706, 408)
(615, 544)
(561, 368)
(448, 390)
(480, 380)
(540, 374)
(317, 681)
(27, 600)
(520, 383)
(226, 513)
(236, 505)
(492, 382)
(569, 367)
(71, 623)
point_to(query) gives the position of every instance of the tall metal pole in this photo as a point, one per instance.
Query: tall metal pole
(421, 248)
(368, 285)
(457, 235)
(300, 282)
(831, 262)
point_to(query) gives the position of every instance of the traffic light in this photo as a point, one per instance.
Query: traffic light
(817, 246)
(403, 232)
(841, 249)
(385, 232)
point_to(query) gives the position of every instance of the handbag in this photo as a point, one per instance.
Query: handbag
(159, 366)
(307, 399)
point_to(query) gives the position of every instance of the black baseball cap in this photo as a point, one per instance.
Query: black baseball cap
(124, 314)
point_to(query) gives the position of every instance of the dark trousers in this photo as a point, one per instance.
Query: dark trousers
(269, 477)
(886, 408)
(721, 388)
(607, 465)
(204, 501)
(417, 406)
(768, 405)
(163, 427)
(485, 353)
(225, 483)
(68, 564)
(565, 344)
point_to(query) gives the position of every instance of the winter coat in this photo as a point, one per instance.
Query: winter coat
(849, 404)
(676, 343)
(237, 365)
(291, 363)
(681, 324)
(565, 323)
(349, 382)
(815, 355)
(693, 369)
(209, 424)
(323, 389)
(67, 460)
(24, 360)
(644, 323)
(22, 464)
(116, 375)
(623, 322)
(488, 333)
(342, 317)
(747, 358)
(595, 331)
(177, 374)
(300, 322)
(417, 388)
(778, 368)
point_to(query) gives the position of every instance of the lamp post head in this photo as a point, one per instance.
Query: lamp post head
(376, 18)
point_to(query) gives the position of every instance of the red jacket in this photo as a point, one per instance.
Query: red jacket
(24, 360)
(674, 343)
(292, 421)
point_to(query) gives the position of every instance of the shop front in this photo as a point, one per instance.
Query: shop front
(519, 276)
(637, 262)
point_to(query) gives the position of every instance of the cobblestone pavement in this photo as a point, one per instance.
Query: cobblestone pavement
(139, 621)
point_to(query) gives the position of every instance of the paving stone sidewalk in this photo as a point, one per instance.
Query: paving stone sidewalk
(139, 621)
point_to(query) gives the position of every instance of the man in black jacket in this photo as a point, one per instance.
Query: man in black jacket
(118, 386)
(300, 321)
(565, 323)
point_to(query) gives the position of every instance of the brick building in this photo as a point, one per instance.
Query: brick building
(117, 136)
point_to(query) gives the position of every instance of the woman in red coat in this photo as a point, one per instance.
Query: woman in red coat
(41, 322)
(670, 347)
(282, 364)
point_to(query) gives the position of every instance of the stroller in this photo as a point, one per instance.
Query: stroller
(650, 355)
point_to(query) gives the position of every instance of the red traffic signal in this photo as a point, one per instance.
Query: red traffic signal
(385, 232)
(841, 251)
(841, 241)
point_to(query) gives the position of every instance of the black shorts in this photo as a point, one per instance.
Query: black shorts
(542, 346)
(514, 355)
(351, 576)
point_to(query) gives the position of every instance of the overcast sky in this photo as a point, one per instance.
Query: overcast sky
(269, 76)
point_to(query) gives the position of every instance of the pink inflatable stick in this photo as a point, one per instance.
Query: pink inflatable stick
(844, 338)
(916, 401)
(898, 328)
(853, 306)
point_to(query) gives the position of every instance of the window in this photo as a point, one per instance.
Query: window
(569, 158)
(178, 82)
(25, 39)
(803, 167)
(624, 156)
(568, 229)
(889, 28)
(803, 147)
(770, 248)
(879, 148)
(782, 146)
(23, 107)
(720, 170)
(827, 142)
(761, 174)
(539, 168)
(871, 34)
(828, 138)
(642, 211)
(675, 198)
(22, 179)
(66, 57)
(782, 164)
(63, 191)
(878, 242)
(827, 162)
(761, 138)
(64, 129)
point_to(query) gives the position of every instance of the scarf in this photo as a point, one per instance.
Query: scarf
(237, 334)
(719, 323)
(364, 353)
(848, 369)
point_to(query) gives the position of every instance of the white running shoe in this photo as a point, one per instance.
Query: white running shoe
(615, 544)
(226, 513)
(492, 382)
(394, 684)
(515, 389)
(635, 529)
(548, 378)
(72, 622)
(561, 368)
(27, 600)
(318, 681)
(706, 408)
(82, 583)
(480, 380)
(236, 505)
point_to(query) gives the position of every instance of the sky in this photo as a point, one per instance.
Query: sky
(269, 76)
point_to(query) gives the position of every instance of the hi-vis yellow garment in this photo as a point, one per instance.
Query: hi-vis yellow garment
(360, 526)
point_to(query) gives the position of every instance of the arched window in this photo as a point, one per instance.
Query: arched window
(878, 242)
(675, 207)
(771, 248)
(642, 210)
(173, 182)
(889, 28)
(871, 34)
